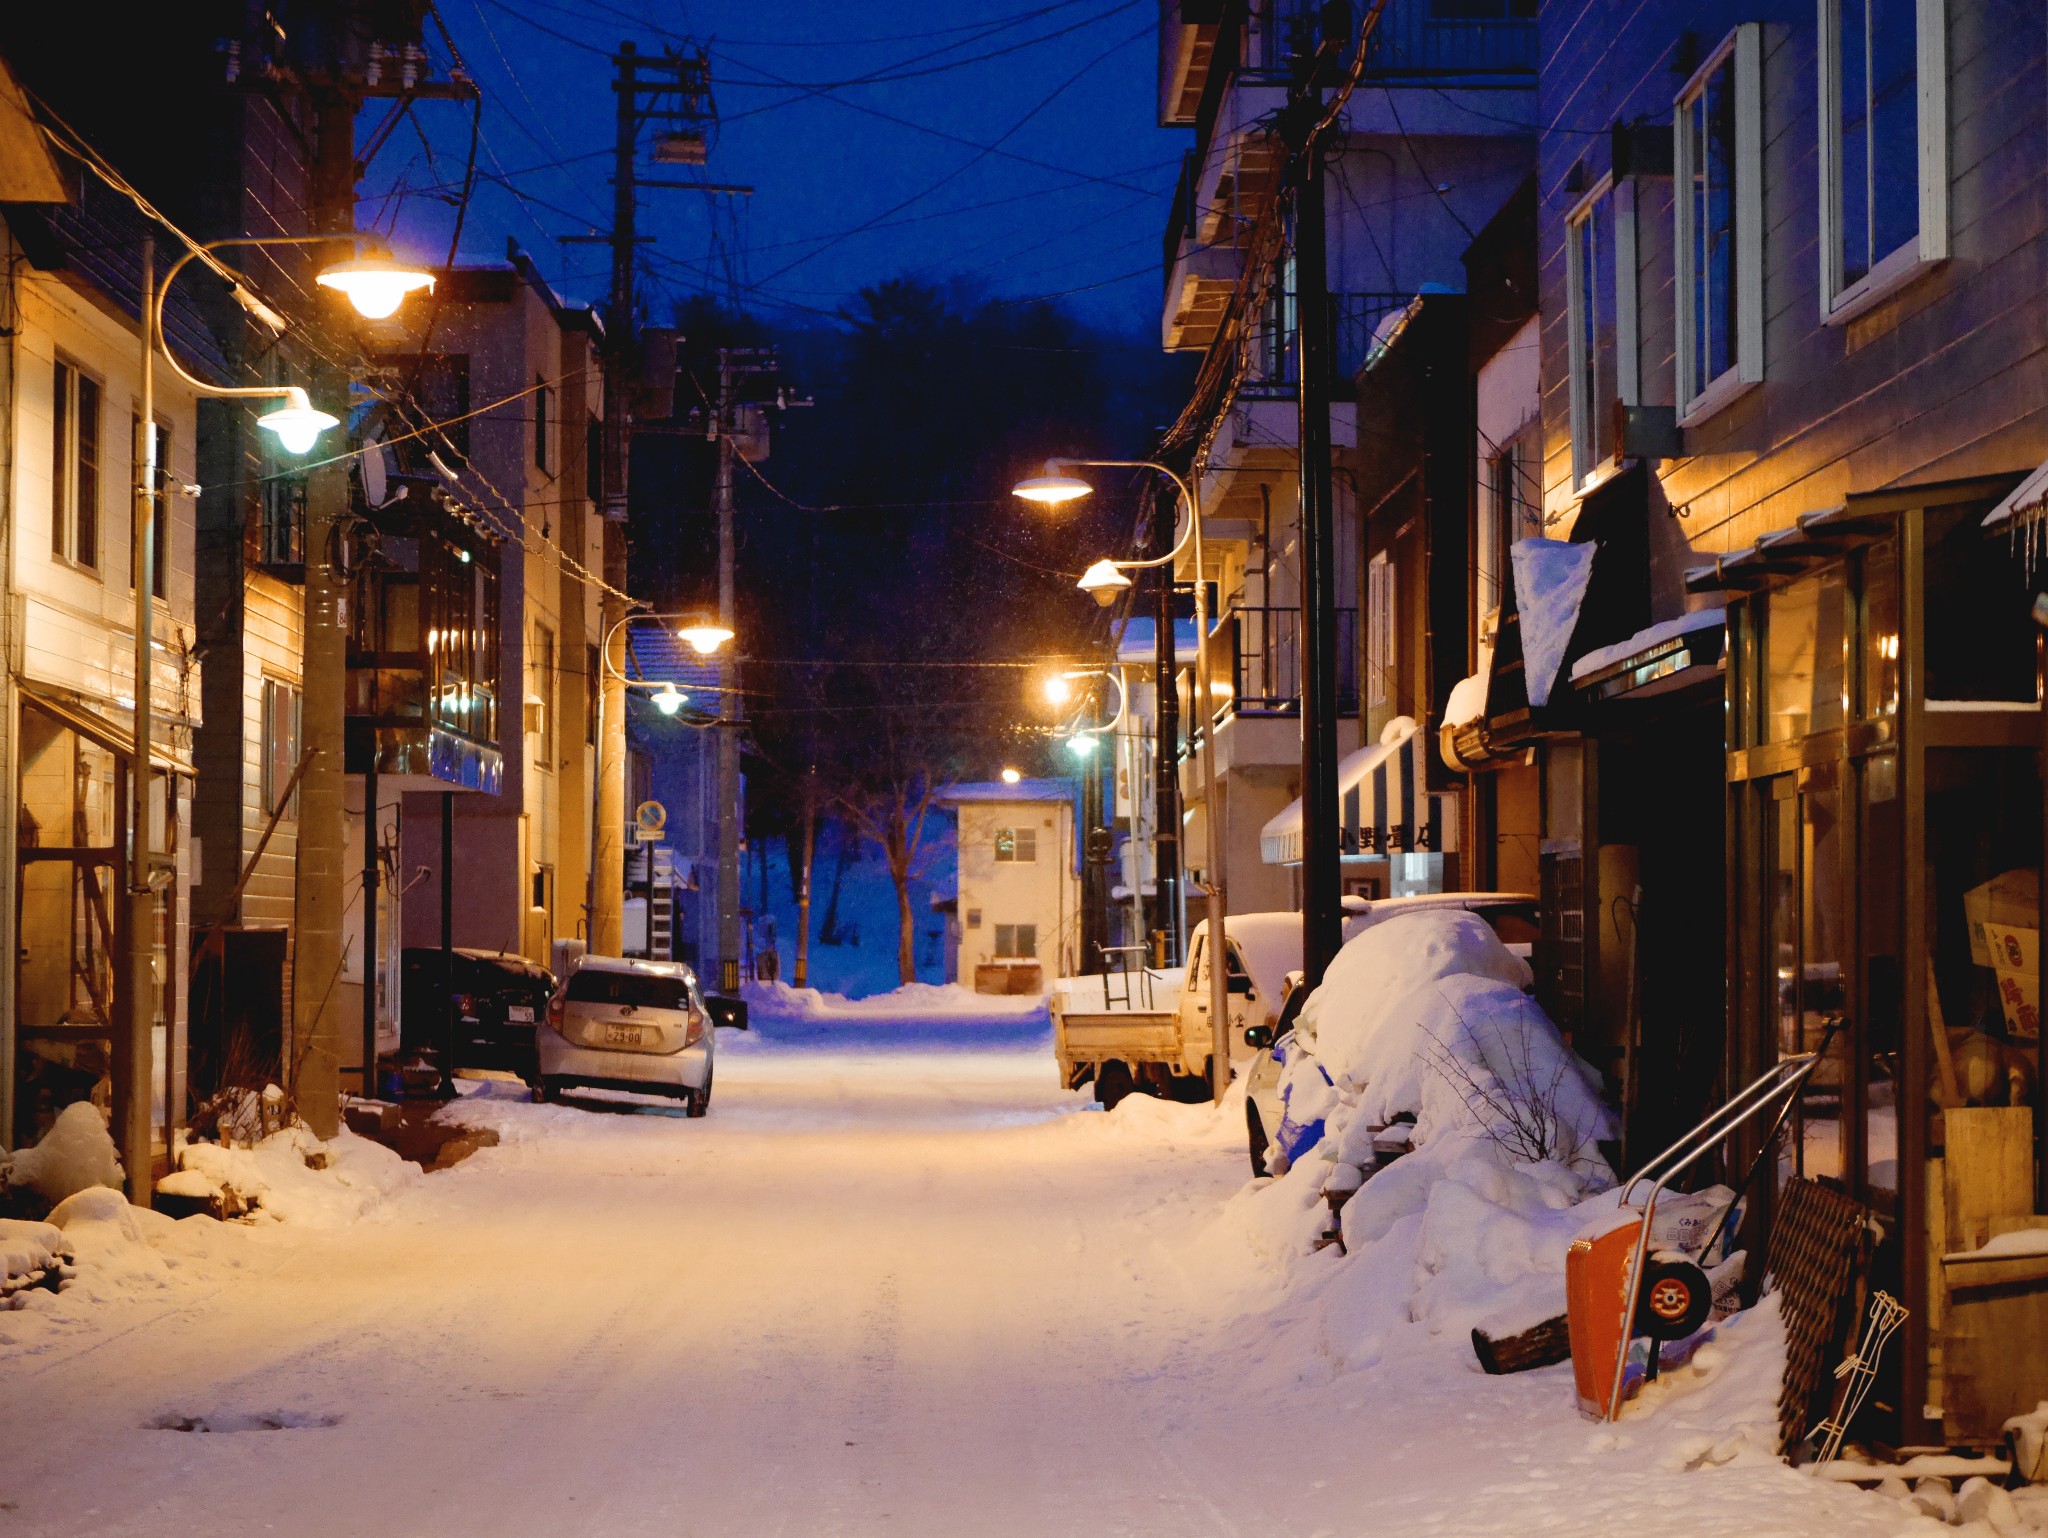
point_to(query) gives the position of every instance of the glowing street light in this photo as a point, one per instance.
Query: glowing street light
(298, 424)
(376, 285)
(1081, 744)
(704, 636)
(668, 699)
(1052, 488)
(1103, 582)
(1012, 776)
(1058, 689)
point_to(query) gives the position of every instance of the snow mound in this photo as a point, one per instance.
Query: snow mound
(114, 1258)
(1384, 963)
(293, 1177)
(948, 1001)
(75, 1155)
(29, 1255)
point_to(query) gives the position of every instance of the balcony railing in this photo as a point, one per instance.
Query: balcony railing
(1354, 321)
(1266, 661)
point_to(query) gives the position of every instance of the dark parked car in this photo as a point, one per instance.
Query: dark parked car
(498, 997)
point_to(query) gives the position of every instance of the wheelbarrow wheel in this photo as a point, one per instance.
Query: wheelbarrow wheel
(1675, 1299)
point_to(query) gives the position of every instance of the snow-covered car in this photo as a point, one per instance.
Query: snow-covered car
(1287, 1091)
(620, 1023)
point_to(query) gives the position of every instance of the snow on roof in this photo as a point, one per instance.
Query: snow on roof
(996, 791)
(1551, 576)
(1644, 639)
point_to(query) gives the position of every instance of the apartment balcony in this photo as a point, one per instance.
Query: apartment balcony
(424, 697)
(1187, 45)
(1265, 661)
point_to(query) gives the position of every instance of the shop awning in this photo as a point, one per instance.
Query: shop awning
(115, 737)
(1659, 659)
(1382, 801)
(2024, 503)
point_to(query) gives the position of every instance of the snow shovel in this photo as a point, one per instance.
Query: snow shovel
(1617, 1290)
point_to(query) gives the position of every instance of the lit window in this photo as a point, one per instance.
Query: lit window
(75, 467)
(1883, 146)
(1600, 276)
(1718, 224)
(1016, 844)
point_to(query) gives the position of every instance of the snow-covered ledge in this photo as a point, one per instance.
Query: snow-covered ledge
(1644, 640)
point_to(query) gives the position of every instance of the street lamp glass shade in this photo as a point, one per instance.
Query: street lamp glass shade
(1051, 489)
(375, 285)
(1081, 747)
(1012, 776)
(668, 699)
(1103, 582)
(705, 636)
(297, 424)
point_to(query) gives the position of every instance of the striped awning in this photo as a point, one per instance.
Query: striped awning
(1382, 801)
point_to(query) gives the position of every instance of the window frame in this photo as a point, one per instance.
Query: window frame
(1842, 302)
(545, 662)
(276, 774)
(1743, 47)
(1015, 950)
(67, 377)
(543, 448)
(1016, 846)
(1382, 628)
(1620, 194)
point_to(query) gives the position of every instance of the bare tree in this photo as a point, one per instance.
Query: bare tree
(1516, 1104)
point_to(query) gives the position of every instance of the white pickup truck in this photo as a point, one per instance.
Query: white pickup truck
(1151, 1033)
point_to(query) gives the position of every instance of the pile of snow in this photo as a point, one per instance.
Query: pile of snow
(1649, 636)
(913, 1001)
(31, 1255)
(293, 1177)
(76, 1154)
(1421, 1036)
(106, 1235)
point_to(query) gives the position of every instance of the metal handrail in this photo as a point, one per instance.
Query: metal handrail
(1673, 1162)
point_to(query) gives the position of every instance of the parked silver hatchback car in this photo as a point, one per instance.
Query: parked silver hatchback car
(619, 1023)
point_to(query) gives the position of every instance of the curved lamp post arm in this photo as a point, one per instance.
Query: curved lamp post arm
(244, 296)
(1187, 496)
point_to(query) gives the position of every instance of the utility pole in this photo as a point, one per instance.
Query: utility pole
(676, 87)
(1322, 911)
(1170, 912)
(728, 806)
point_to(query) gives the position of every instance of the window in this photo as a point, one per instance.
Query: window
(594, 985)
(75, 467)
(1600, 277)
(1018, 845)
(1883, 147)
(1717, 211)
(543, 427)
(544, 887)
(1016, 941)
(1510, 509)
(280, 744)
(1379, 628)
(544, 682)
(161, 535)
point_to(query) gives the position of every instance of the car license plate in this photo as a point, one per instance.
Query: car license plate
(622, 1035)
(523, 1013)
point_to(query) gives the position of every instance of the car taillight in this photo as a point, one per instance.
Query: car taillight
(465, 1004)
(555, 1011)
(694, 1031)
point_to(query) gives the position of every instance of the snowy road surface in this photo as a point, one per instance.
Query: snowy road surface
(880, 1290)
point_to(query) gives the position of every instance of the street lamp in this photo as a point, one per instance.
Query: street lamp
(375, 284)
(704, 636)
(668, 699)
(297, 425)
(1057, 486)
(1012, 776)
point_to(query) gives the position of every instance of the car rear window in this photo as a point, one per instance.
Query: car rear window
(593, 986)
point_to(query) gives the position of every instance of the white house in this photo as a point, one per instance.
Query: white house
(1018, 891)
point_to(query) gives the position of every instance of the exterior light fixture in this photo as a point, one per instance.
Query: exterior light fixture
(1012, 776)
(704, 636)
(1081, 746)
(1058, 690)
(297, 424)
(668, 699)
(1053, 487)
(1103, 582)
(375, 285)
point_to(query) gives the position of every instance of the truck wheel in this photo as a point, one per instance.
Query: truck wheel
(1112, 1082)
(1256, 1131)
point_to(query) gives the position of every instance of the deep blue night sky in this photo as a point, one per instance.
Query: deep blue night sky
(856, 182)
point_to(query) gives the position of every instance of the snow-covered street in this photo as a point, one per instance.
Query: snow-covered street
(891, 1285)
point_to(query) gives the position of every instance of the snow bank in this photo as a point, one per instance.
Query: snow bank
(950, 1001)
(74, 1155)
(293, 1177)
(107, 1235)
(29, 1254)
(1380, 966)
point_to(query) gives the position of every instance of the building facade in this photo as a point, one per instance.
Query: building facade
(1018, 898)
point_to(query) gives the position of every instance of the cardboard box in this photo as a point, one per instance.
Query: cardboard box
(2012, 898)
(2016, 961)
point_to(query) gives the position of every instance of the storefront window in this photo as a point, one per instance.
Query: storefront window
(1804, 653)
(1878, 692)
(1980, 641)
(1983, 919)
